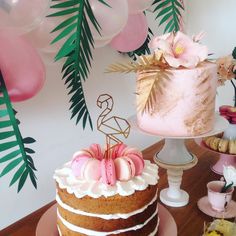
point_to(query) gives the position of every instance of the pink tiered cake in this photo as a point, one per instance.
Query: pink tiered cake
(186, 107)
(184, 103)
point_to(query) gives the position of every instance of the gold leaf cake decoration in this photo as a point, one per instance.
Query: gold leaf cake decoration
(153, 77)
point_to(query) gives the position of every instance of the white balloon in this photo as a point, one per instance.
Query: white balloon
(22, 15)
(41, 37)
(111, 19)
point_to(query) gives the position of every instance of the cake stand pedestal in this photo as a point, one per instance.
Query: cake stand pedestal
(173, 195)
(175, 158)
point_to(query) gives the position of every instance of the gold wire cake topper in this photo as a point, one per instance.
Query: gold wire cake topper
(114, 127)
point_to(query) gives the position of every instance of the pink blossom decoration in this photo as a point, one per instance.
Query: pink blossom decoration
(179, 50)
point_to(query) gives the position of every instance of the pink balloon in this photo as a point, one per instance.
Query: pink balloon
(133, 35)
(21, 66)
(111, 19)
(138, 6)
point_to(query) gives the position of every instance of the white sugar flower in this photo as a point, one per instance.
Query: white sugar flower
(229, 173)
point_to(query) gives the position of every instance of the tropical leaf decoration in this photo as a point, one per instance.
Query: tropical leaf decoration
(149, 84)
(13, 150)
(75, 30)
(169, 13)
(153, 78)
(145, 62)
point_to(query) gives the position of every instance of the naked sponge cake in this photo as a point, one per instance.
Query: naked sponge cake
(111, 192)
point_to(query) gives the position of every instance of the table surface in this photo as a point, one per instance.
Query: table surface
(189, 219)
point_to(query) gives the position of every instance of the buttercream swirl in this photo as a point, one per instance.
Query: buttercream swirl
(82, 187)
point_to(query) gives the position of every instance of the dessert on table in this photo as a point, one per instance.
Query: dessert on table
(176, 87)
(220, 227)
(107, 192)
(226, 141)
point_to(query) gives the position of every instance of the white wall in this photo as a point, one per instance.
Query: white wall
(217, 19)
(47, 119)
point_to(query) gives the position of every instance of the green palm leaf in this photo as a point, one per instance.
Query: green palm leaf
(78, 42)
(169, 13)
(12, 146)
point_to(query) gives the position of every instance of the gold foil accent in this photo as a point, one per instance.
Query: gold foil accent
(149, 84)
(196, 123)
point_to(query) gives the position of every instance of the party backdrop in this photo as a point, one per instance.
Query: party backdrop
(45, 116)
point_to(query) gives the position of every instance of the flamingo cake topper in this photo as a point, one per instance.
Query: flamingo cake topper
(113, 127)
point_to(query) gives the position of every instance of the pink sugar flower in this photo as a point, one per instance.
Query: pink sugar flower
(179, 50)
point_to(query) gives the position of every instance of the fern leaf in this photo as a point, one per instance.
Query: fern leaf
(22, 180)
(11, 166)
(169, 13)
(12, 145)
(77, 52)
(18, 174)
(10, 156)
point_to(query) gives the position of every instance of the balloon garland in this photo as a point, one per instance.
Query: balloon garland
(76, 26)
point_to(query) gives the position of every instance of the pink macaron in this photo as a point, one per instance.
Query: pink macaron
(233, 120)
(117, 150)
(108, 172)
(137, 158)
(231, 114)
(78, 164)
(86, 168)
(125, 168)
(224, 109)
(92, 169)
(97, 151)
(83, 153)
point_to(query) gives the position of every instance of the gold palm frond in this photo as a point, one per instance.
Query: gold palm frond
(149, 84)
(148, 62)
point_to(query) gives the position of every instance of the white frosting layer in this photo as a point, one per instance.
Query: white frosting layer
(81, 187)
(103, 216)
(97, 233)
(59, 231)
(151, 234)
